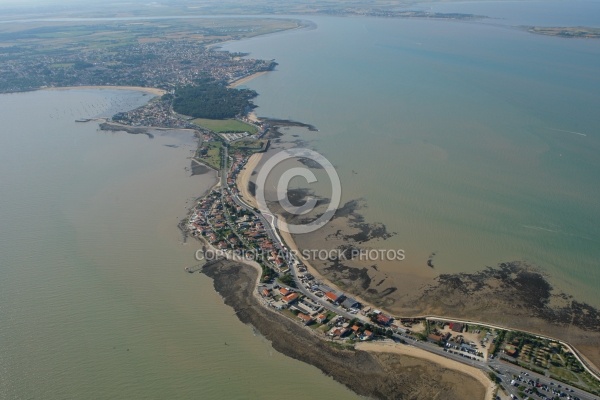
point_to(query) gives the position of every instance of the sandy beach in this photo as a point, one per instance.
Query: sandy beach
(291, 243)
(422, 354)
(244, 176)
(253, 117)
(246, 79)
(374, 348)
(154, 91)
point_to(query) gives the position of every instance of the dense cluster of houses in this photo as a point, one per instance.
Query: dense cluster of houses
(227, 226)
(308, 313)
(453, 336)
(158, 113)
(230, 227)
(162, 64)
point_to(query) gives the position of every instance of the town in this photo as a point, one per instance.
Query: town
(164, 55)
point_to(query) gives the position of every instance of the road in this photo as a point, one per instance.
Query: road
(224, 168)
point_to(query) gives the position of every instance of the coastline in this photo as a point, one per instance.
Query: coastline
(291, 243)
(246, 79)
(237, 284)
(154, 91)
(243, 179)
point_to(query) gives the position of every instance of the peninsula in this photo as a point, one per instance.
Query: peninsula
(575, 32)
(345, 336)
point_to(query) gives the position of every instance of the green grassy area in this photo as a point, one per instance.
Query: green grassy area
(210, 154)
(288, 313)
(564, 374)
(225, 125)
(330, 315)
(248, 146)
(589, 381)
(546, 356)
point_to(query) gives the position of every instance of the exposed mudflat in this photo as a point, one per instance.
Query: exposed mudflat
(375, 375)
(114, 127)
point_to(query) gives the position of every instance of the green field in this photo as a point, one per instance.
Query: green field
(225, 125)
(212, 156)
(248, 146)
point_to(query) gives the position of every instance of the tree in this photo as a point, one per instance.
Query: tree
(288, 280)
(494, 378)
(212, 99)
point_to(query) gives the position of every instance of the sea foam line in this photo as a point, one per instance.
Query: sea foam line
(539, 228)
(562, 130)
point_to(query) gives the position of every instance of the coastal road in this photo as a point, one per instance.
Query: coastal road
(224, 168)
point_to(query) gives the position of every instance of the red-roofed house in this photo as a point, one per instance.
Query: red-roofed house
(331, 296)
(384, 319)
(511, 350)
(290, 298)
(284, 291)
(335, 331)
(306, 319)
(321, 318)
(435, 338)
(367, 335)
(279, 262)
